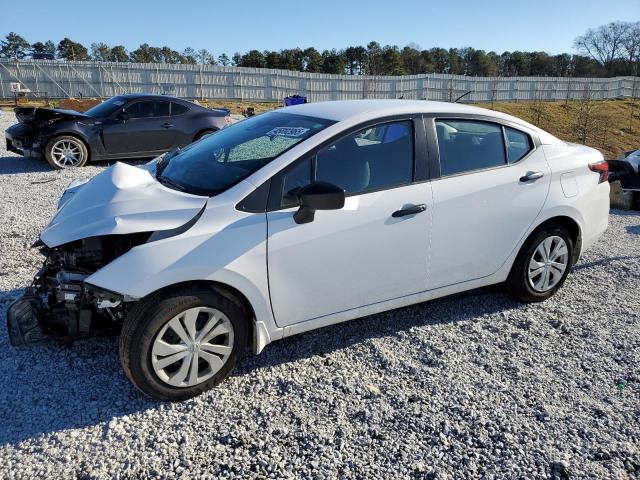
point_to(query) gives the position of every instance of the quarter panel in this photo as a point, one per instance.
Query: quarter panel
(589, 203)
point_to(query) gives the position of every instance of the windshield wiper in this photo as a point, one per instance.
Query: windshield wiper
(170, 183)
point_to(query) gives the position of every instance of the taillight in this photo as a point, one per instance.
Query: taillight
(601, 167)
(227, 120)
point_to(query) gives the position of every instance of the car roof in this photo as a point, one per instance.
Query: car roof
(136, 96)
(342, 110)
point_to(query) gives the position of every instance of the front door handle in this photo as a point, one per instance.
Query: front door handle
(412, 210)
(530, 176)
(167, 125)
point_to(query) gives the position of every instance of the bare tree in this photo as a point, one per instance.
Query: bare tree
(569, 89)
(589, 122)
(604, 44)
(493, 93)
(633, 103)
(538, 106)
(631, 44)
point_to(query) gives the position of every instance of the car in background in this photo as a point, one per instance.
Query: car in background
(304, 217)
(125, 126)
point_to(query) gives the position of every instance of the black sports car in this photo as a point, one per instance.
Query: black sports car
(126, 126)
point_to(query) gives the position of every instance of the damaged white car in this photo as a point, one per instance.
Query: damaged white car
(305, 217)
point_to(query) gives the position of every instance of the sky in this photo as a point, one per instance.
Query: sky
(241, 25)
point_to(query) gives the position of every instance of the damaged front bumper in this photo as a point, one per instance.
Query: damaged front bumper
(21, 141)
(34, 319)
(60, 305)
(27, 320)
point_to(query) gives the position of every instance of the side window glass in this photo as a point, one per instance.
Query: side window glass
(161, 109)
(518, 144)
(469, 145)
(293, 180)
(373, 158)
(141, 110)
(177, 109)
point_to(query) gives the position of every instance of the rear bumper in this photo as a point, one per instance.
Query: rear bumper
(596, 215)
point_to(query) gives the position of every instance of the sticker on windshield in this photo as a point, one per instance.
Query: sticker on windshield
(287, 132)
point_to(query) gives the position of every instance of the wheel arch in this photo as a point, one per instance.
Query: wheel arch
(572, 226)
(73, 134)
(256, 340)
(203, 130)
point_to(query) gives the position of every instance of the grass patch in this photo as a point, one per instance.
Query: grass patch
(613, 129)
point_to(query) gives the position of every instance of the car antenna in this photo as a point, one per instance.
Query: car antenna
(461, 96)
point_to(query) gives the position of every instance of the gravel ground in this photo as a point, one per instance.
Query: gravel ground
(469, 386)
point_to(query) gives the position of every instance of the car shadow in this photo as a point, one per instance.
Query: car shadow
(14, 164)
(445, 310)
(604, 262)
(633, 229)
(42, 383)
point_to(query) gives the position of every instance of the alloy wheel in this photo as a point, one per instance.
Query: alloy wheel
(192, 347)
(67, 153)
(548, 263)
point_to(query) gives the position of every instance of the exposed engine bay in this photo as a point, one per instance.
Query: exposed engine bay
(59, 304)
(97, 222)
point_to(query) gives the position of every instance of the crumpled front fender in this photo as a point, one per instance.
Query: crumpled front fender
(123, 199)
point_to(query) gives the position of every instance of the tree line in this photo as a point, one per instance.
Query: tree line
(609, 50)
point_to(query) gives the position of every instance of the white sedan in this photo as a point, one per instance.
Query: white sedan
(304, 217)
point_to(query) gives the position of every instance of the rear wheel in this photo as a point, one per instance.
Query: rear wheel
(178, 345)
(66, 151)
(542, 265)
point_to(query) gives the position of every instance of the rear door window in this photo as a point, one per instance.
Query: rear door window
(148, 109)
(140, 110)
(466, 145)
(177, 109)
(518, 144)
(161, 109)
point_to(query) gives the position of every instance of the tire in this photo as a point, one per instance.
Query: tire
(146, 333)
(66, 151)
(525, 289)
(203, 134)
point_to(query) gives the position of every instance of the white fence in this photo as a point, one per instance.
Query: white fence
(60, 79)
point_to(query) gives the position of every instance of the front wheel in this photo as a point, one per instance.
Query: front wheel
(178, 345)
(66, 151)
(542, 265)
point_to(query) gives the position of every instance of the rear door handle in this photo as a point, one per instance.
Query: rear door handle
(530, 176)
(167, 125)
(412, 210)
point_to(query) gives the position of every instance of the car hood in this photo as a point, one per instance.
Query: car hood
(34, 117)
(122, 199)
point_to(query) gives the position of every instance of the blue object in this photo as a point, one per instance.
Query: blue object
(294, 100)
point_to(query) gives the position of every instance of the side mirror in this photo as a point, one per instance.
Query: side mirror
(318, 196)
(123, 116)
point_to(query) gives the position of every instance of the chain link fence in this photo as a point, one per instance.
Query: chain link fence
(62, 79)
